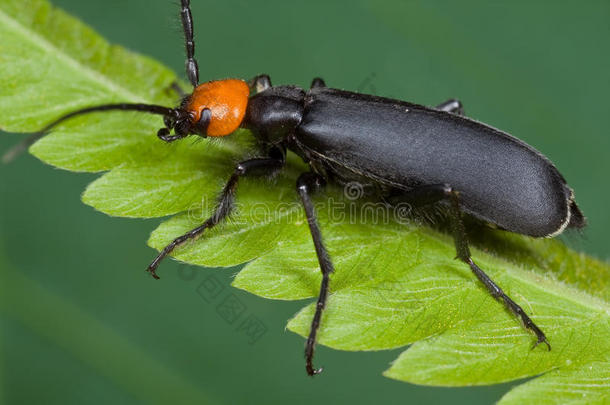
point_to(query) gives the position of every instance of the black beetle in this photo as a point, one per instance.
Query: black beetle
(406, 153)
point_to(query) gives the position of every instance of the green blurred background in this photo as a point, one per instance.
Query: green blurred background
(83, 323)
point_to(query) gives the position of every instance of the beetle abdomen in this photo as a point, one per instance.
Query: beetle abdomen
(501, 179)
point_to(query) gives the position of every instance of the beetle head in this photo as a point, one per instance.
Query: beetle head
(215, 108)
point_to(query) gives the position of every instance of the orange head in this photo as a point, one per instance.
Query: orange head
(215, 108)
(226, 101)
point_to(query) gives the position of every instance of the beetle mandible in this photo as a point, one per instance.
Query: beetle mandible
(405, 152)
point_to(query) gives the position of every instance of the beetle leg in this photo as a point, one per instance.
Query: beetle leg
(429, 194)
(452, 105)
(317, 82)
(259, 83)
(175, 86)
(260, 166)
(307, 184)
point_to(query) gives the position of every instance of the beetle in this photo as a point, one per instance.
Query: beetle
(403, 152)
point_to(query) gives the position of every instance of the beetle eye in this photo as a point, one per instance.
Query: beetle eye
(204, 122)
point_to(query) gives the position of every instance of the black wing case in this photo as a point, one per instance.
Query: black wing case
(501, 179)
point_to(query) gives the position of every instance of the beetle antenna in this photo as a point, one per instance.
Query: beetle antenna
(16, 150)
(192, 69)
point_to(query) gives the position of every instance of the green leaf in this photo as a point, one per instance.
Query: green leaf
(395, 284)
(51, 64)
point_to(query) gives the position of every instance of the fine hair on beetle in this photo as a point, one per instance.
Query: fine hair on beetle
(442, 167)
